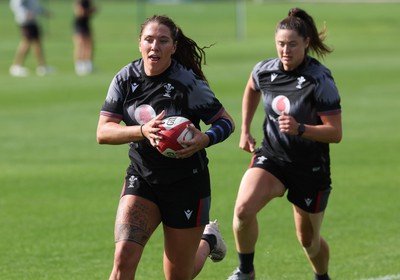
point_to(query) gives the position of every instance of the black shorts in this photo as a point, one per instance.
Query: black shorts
(308, 186)
(82, 27)
(183, 204)
(31, 31)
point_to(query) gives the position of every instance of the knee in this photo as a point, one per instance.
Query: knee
(313, 250)
(243, 215)
(243, 212)
(124, 259)
(121, 259)
(311, 246)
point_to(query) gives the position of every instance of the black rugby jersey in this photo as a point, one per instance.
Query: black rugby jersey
(306, 94)
(136, 98)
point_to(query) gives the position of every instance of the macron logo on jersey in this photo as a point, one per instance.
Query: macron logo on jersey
(273, 76)
(134, 86)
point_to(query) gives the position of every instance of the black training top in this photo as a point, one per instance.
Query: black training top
(136, 98)
(306, 94)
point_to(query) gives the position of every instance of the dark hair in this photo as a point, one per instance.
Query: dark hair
(301, 22)
(187, 53)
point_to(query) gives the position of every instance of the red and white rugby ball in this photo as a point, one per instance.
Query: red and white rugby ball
(173, 130)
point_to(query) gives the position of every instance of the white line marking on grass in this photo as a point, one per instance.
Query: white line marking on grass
(387, 277)
(352, 2)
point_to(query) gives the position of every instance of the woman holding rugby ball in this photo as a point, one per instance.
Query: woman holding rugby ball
(175, 192)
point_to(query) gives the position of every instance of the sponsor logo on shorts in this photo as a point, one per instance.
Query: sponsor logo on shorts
(188, 213)
(308, 201)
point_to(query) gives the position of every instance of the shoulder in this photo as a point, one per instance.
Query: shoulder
(184, 75)
(321, 75)
(132, 69)
(264, 67)
(178, 69)
(316, 69)
(268, 65)
(125, 76)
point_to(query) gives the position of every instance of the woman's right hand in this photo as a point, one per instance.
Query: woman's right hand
(247, 142)
(150, 129)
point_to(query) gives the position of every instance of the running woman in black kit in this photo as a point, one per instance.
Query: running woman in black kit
(166, 81)
(302, 116)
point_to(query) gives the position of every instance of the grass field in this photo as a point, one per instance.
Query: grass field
(59, 189)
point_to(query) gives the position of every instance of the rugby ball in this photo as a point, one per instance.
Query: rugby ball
(173, 130)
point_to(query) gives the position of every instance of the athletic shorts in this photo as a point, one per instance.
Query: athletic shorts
(82, 27)
(30, 31)
(182, 204)
(308, 186)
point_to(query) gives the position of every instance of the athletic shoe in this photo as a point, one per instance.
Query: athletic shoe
(18, 71)
(238, 275)
(219, 251)
(83, 68)
(44, 71)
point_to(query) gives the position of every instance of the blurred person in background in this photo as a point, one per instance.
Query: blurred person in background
(26, 13)
(83, 36)
(302, 117)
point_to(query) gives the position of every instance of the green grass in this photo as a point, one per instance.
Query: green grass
(59, 189)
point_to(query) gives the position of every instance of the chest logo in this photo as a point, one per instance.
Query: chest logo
(273, 76)
(300, 81)
(168, 89)
(144, 113)
(281, 104)
(134, 86)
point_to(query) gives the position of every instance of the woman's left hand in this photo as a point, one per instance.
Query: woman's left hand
(199, 141)
(288, 124)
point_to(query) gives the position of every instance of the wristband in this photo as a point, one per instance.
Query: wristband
(141, 130)
(219, 131)
(301, 129)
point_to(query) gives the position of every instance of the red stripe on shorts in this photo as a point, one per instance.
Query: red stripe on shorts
(252, 160)
(199, 212)
(123, 189)
(318, 202)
